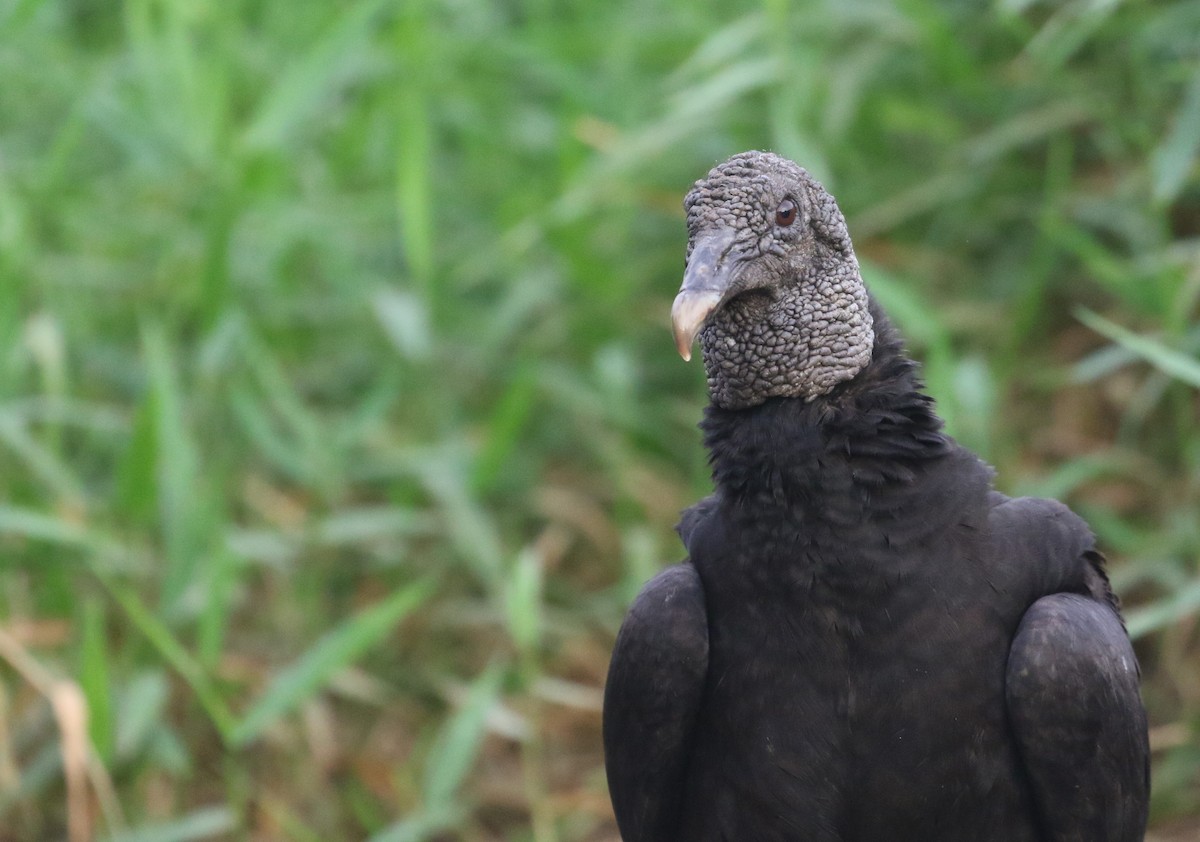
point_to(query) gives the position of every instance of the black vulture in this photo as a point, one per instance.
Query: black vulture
(866, 642)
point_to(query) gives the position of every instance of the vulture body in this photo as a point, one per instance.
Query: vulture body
(866, 642)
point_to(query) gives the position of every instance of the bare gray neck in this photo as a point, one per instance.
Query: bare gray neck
(799, 341)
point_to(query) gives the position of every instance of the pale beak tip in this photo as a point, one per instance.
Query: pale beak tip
(683, 344)
(687, 317)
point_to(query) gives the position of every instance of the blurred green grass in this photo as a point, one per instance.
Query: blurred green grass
(339, 419)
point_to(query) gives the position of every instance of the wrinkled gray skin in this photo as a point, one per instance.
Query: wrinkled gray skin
(786, 310)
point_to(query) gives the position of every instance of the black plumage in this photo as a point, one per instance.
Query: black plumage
(866, 642)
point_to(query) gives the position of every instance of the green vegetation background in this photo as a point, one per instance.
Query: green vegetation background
(340, 419)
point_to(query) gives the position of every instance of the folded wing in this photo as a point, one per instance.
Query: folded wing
(1072, 693)
(654, 690)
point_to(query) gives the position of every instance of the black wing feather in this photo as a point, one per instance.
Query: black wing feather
(655, 683)
(1072, 692)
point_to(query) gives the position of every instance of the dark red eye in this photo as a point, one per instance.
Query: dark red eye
(785, 214)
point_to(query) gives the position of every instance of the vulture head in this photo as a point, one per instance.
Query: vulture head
(772, 286)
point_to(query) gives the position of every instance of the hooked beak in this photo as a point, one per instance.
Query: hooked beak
(707, 278)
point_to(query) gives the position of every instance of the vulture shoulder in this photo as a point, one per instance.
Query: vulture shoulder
(655, 683)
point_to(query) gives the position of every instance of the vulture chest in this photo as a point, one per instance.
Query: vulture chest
(855, 690)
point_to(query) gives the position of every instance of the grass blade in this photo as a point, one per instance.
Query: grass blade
(28, 523)
(1171, 609)
(174, 653)
(523, 600)
(416, 828)
(177, 466)
(1168, 360)
(304, 85)
(1174, 159)
(336, 650)
(95, 678)
(205, 823)
(460, 741)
